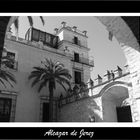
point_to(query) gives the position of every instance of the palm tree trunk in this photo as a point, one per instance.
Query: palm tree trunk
(51, 104)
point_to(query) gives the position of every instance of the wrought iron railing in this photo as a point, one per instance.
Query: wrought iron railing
(83, 60)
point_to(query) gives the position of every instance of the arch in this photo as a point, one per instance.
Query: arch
(115, 83)
(11, 20)
(116, 93)
(120, 29)
(112, 99)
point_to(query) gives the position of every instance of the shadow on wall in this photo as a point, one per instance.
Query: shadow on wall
(112, 99)
(95, 110)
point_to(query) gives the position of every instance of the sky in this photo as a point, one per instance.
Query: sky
(107, 54)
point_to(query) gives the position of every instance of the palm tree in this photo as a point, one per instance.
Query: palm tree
(5, 75)
(49, 74)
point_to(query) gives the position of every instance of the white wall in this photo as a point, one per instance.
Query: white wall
(69, 35)
(109, 111)
(28, 99)
(102, 108)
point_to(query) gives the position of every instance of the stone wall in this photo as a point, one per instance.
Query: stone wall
(83, 107)
(131, 49)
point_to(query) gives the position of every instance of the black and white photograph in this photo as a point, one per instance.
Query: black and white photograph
(69, 68)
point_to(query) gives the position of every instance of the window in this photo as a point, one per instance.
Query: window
(77, 77)
(124, 114)
(5, 109)
(35, 35)
(76, 40)
(11, 55)
(76, 57)
(7, 106)
(45, 117)
(42, 36)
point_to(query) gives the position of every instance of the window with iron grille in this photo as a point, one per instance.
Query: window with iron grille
(11, 56)
(7, 106)
(5, 109)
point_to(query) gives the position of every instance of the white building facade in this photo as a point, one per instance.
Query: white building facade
(68, 46)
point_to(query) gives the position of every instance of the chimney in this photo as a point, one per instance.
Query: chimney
(63, 24)
(74, 28)
(85, 33)
(56, 30)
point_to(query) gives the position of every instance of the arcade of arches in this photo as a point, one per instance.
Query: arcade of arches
(126, 31)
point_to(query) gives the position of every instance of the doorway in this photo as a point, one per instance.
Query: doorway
(112, 100)
(45, 117)
(5, 109)
(124, 114)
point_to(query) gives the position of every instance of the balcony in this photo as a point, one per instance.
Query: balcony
(82, 60)
(36, 35)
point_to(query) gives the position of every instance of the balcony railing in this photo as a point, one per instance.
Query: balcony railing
(82, 60)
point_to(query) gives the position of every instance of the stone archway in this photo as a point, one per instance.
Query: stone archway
(124, 34)
(111, 100)
(110, 97)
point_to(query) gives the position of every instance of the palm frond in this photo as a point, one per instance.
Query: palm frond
(39, 69)
(7, 61)
(47, 62)
(42, 84)
(50, 72)
(1, 81)
(7, 76)
(45, 76)
(64, 73)
(35, 81)
(42, 19)
(59, 66)
(60, 83)
(4, 74)
(30, 19)
(63, 80)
